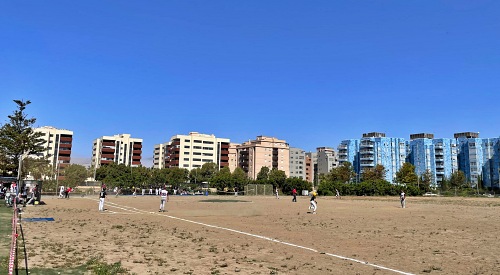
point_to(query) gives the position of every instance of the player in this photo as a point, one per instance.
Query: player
(164, 198)
(402, 198)
(313, 203)
(102, 196)
(277, 193)
(294, 194)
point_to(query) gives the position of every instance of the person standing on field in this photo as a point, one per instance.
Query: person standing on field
(402, 197)
(313, 202)
(102, 196)
(294, 194)
(277, 194)
(163, 199)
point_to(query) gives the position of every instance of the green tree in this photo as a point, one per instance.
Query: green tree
(458, 180)
(207, 171)
(17, 138)
(277, 178)
(240, 178)
(195, 176)
(177, 176)
(263, 175)
(344, 173)
(406, 174)
(426, 181)
(373, 174)
(74, 175)
(297, 183)
(222, 179)
(37, 168)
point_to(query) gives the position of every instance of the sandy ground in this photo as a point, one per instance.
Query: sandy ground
(264, 235)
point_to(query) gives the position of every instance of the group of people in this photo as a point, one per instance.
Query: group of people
(64, 192)
(163, 193)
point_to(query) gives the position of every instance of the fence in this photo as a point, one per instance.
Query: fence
(259, 190)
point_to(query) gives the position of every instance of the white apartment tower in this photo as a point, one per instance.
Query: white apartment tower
(193, 150)
(120, 149)
(57, 148)
(160, 155)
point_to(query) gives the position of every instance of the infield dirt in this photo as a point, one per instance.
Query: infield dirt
(195, 236)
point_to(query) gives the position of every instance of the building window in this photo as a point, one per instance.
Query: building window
(186, 146)
(197, 141)
(186, 159)
(187, 140)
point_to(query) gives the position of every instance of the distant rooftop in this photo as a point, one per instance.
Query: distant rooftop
(421, 135)
(466, 135)
(373, 134)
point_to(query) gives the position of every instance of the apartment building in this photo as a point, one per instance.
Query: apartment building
(159, 155)
(120, 149)
(438, 156)
(233, 156)
(348, 151)
(311, 167)
(193, 150)
(264, 151)
(375, 148)
(297, 163)
(57, 148)
(327, 159)
(479, 158)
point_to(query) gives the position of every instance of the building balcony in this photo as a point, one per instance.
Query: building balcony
(108, 143)
(224, 146)
(366, 144)
(64, 145)
(137, 152)
(367, 157)
(108, 156)
(64, 158)
(439, 159)
(65, 153)
(108, 150)
(136, 162)
(225, 158)
(137, 146)
(67, 139)
(103, 161)
(136, 158)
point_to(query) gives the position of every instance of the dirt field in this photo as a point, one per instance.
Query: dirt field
(264, 235)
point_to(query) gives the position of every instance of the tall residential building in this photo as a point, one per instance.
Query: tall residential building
(57, 148)
(264, 151)
(297, 163)
(327, 159)
(120, 149)
(376, 148)
(311, 166)
(438, 156)
(194, 150)
(159, 155)
(479, 158)
(233, 156)
(349, 152)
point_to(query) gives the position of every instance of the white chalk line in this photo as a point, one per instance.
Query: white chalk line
(139, 211)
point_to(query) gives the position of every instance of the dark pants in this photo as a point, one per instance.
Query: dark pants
(294, 198)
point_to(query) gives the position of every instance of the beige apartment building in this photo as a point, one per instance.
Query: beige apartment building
(159, 155)
(264, 151)
(193, 150)
(233, 156)
(120, 149)
(57, 148)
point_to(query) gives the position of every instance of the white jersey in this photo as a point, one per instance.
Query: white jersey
(164, 194)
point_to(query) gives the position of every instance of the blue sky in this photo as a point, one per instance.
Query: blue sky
(310, 72)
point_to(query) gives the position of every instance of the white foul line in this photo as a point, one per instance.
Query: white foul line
(139, 211)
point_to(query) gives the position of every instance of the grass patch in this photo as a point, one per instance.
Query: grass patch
(94, 265)
(5, 239)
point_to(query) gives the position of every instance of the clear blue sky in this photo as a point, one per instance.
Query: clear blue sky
(310, 72)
